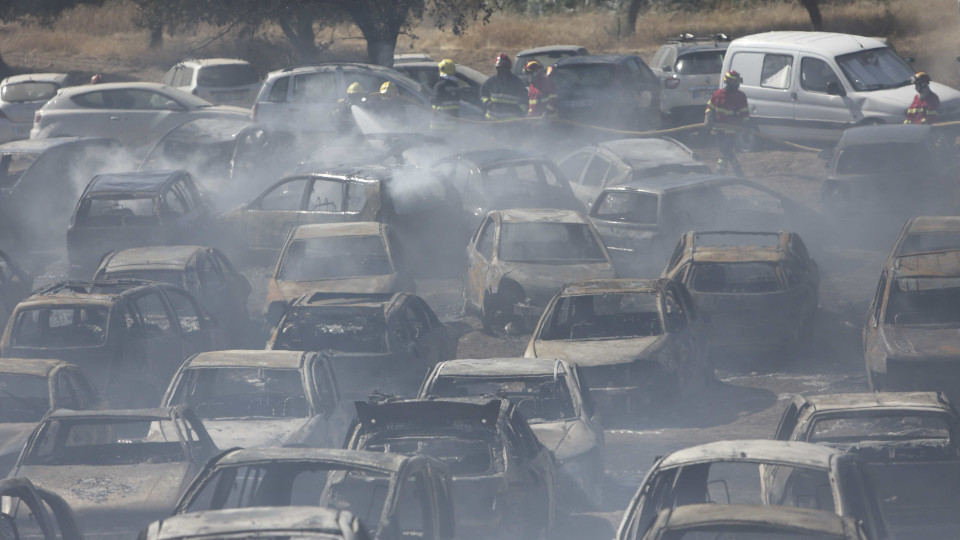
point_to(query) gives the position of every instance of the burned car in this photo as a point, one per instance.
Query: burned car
(887, 173)
(908, 441)
(40, 181)
(363, 257)
(384, 342)
(397, 496)
(641, 220)
(500, 179)
(518, 259)
(400, 148)
(302, 522)
(924, 234)
(553, 398)
(15, 285)
(262, 398)
(758, 290)
(760, 472)
(29, 388)
(912, 322)
(126, 210)
(637, 342)
(127, 336)
(118, 470)
(611, 163)
(504, 479)
(746, 521)
(37, 512)
(205, 272)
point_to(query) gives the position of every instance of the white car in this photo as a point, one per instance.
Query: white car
(21, 96)
(224, 81)
(813, 85)
(136, 114)
(690, 68)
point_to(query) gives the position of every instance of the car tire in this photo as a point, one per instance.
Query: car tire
(746, 140)
(498, 308)
(876, 382)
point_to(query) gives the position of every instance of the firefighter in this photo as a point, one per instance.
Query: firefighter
(343, 118)
(925, 104)
(542, 93)
(389, 107)
(503, 95)
(446, 98)
(96, 79)
(726, 115)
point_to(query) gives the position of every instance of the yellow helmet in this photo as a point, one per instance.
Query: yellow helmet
(447, 67)
(354, 88)
(388, 89)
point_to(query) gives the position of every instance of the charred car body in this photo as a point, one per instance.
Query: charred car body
(518, 259)
(637, 342)
(924, 234)
(262, 398)
(397, 496)
(41, 513)
(205, 272)
(45, 177)
(553, 398)
(118, 470)
(909, 335)
(29, 388)
(382, 341)
(126, 210)
(304, 522)
(764, 472)
(361, 257)
(503, 478)
(759, 290)
(721, 520)
(127, 336)
(15, 285)
(908, 442)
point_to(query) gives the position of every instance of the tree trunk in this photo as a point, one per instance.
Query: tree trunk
(380, 51)
(633, 12)
(156, 36)
(813, 8)
(300, 34)
(5, 70)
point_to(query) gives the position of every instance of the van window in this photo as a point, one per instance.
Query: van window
(776, 71)
(815, 75)
(748, 65)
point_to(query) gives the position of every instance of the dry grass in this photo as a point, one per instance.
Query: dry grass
(103, 39)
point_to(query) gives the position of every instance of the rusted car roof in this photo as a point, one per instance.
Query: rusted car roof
(784, 452)
(131, 182)
(884, 133)
(944, 263)
(37, 367)
(380, 461)
(500, 367)
(350, 228)
(241, 520)
(742, 247)
(154, 257)
(524, 215)
(874, 400)
(158, 413)
(248, 358)
(605, 286)
(800, 519)
(935, 224)
(107, 292)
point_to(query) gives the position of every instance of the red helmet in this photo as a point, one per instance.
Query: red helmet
(732, 76)
(503, 61)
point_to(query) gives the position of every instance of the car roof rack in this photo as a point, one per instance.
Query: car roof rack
(690, 38)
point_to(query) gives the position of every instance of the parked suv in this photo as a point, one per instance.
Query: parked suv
(690, 68)
(616, 91)
(224, 81)
(813, 85)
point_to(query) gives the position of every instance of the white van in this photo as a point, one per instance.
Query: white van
(813, 85)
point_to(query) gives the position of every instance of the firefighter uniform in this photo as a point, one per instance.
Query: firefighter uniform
(503, 94)
(446, 98)
(542, 94)
(727, 113)
(925, 105)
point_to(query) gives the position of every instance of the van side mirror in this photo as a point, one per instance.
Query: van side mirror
(835, 89)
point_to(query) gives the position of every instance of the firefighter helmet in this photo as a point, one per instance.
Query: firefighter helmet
(532, 66)
(732, 76)
(354, 89)
(921, 78)
(388, 89)
(503, 61)
(447, 67)
(96, 79)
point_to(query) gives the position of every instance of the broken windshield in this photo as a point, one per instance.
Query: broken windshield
(891, 426)
(924, 301)
(750, 277)
(540, 398)
(61, 326)
(317, 330)
(109, 441)
(464, 455)
(603, 316)
(335, 257)
(235, 392)
(549, 243)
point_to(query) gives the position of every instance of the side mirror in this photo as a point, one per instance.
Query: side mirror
(835, 89)
(172, 105)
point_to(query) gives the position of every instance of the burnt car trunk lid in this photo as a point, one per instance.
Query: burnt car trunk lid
(598, 352)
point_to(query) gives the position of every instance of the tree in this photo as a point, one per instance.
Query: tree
(42, 12)
(382, 21)
(813, 8)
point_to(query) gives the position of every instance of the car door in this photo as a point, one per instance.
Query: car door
(310, 101)
(139, 116)
(592, 180)
(217, 294)
(94, 116)
(156, 336)
(415, 507)
(332, 200)
(574, 165)
(400, 264)
(327, 398)
(180, 215)
(684, 346)
(788, 423)
(196, 330)
(89, 398)
(271, 216)
(429, 340)
(767, 82)
(479, 261)
(822, 107)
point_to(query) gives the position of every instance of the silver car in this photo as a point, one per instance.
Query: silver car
(21, 96)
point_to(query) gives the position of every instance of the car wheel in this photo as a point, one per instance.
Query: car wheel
(746, 140)
(875, 382)
(498, 308)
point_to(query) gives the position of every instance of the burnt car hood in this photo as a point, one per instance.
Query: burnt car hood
(542, 281)
(91, 489)
(565, 438)
(912, 451)
(370, 284)
(252, 432)
(922, 342)
(600, 352)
